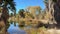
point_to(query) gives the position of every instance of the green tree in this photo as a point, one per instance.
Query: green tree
(21, 13)
(11, 14)
(54, 0)
(46, 4)
(7, 5)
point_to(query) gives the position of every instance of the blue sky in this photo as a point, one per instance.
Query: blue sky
(22, 4)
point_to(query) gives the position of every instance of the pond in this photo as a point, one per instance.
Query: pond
(15, 29)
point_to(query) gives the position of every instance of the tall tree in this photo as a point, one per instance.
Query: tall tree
(7, 5)
(50, 13)
(46, 3)
(57, 11)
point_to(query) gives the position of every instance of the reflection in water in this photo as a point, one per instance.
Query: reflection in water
(15, 29)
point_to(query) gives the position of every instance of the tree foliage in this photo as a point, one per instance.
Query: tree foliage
(54, 0)
(21, 13)
(6, 6)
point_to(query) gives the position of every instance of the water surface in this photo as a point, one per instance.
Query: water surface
(15, 29)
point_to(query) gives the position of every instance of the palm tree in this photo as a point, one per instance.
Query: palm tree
(21, 13)
(7, 5)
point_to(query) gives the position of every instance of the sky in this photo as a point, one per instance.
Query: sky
(22, 4)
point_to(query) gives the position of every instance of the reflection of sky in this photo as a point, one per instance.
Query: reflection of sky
(15, 29)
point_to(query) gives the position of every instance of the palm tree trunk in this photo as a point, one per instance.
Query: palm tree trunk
(5, 17)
